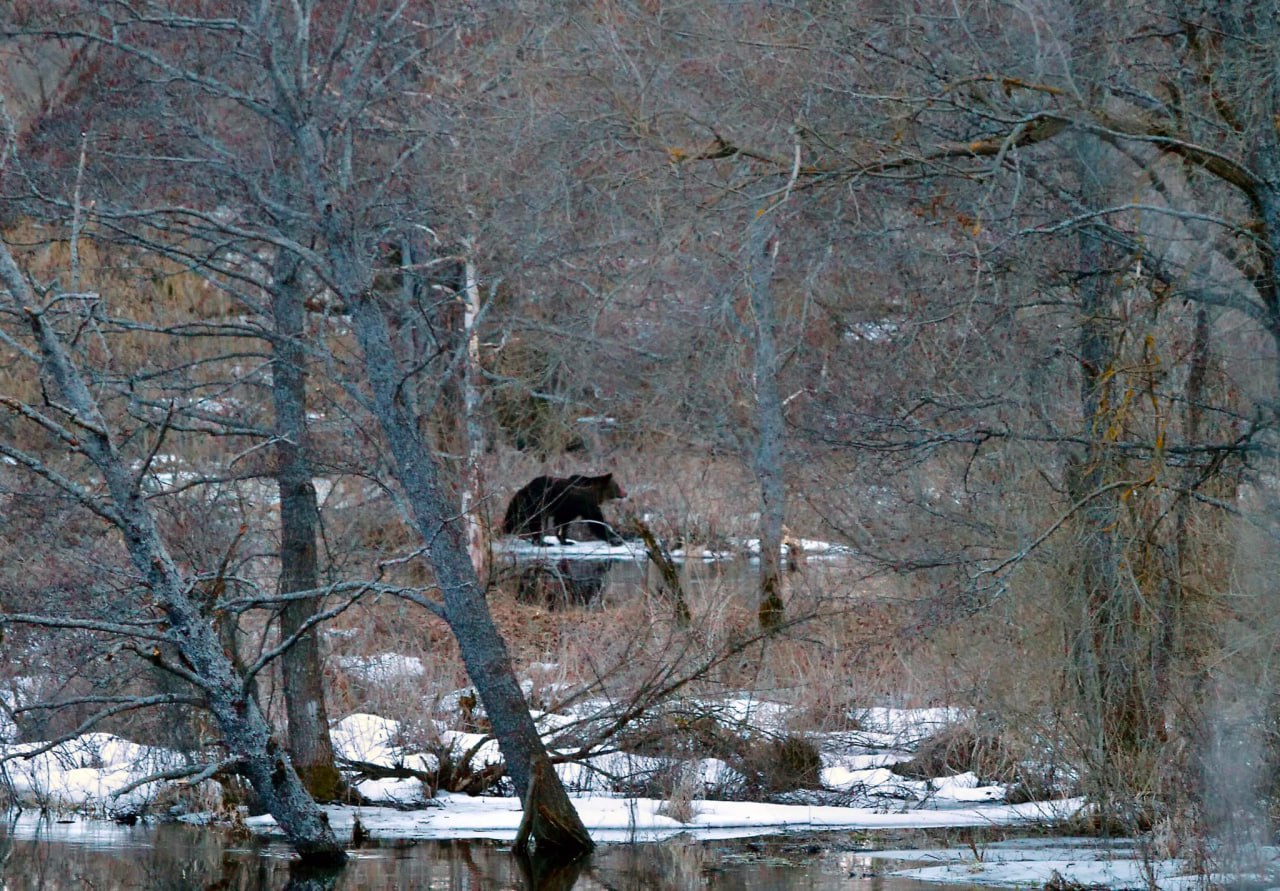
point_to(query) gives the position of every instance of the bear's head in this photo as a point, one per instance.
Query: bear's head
(609, 487)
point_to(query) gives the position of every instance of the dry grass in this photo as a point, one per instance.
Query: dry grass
(681, 801)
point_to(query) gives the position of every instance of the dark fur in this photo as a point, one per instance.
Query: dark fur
(562, 500)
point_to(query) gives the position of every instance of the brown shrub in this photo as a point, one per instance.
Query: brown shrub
(782, 764)
(958, 749)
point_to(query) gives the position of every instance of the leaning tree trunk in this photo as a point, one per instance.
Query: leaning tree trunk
(767, 463)
(309, 744)
(245, 731)
(554, 824)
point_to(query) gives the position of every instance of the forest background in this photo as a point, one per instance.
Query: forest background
(297, 294)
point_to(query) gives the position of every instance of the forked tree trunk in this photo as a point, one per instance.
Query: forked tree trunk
(555, 825)
(245, 731)
(303, 677)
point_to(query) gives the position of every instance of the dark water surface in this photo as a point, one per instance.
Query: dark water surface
(87, 855)
(571, 579)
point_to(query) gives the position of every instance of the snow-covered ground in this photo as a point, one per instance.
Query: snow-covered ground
(633, 549)
(886, 799)
(1082, 863)
(612, 820)
(523, 551)
(85, 778)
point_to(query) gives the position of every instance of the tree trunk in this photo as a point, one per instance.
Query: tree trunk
(557, 825)
(670, 585)
(761, 250)
(472, 472)
(245, 731)
(303, 677)
(1113, 635)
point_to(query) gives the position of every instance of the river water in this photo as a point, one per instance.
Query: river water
(89, 855)
(565, 577)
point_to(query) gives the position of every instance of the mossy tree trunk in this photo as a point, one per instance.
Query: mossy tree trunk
(301, 666)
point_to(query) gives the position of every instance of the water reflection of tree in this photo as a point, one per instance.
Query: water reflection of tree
(308, 878)
(6, 840)
(171, 857)
(549, 873)
(189, 858)
(635, 867)
(559, 583)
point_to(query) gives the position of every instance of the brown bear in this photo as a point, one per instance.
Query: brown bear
(562, 500)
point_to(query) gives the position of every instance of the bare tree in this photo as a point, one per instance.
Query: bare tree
(761, 250)
(345, 152)
(552, 823)
(71, 415)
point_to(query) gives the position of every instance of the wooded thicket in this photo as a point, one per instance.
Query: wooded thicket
(988, 293)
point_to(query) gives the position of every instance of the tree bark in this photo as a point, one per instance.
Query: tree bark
(303, 677)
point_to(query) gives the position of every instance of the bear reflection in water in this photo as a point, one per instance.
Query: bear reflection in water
(562, 583)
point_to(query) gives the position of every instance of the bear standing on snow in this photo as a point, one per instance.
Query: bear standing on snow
(562, 500)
